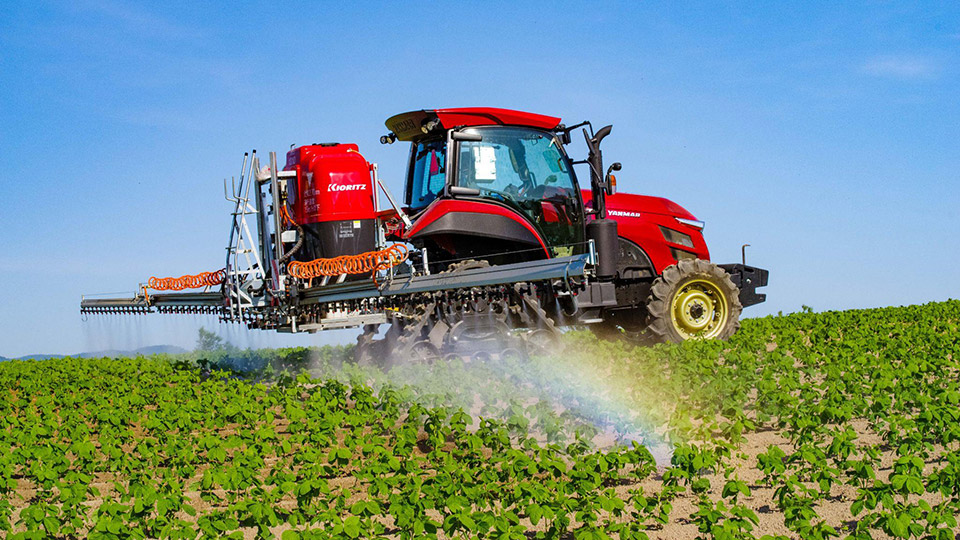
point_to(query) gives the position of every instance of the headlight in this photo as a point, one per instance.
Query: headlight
(676, 237)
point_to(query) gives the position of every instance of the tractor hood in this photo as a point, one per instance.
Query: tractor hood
(626, 202)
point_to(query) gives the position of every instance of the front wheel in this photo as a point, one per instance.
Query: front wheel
(694, 299)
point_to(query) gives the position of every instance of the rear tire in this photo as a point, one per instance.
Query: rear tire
(694, 299)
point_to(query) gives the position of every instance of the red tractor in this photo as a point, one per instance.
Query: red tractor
(496, 185)
(496, 247)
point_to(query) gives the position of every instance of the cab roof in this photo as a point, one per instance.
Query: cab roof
(409, 126)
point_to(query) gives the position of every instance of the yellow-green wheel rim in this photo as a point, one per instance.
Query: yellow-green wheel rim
(699, 310)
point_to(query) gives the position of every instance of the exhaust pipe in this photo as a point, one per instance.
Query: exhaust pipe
(601, 230)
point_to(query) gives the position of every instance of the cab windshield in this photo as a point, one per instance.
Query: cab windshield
(526, 169)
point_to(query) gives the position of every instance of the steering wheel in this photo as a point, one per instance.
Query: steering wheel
(536, 192)
(529, 184)
(512, 190)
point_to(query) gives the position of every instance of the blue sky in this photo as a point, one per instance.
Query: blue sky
(823, 134)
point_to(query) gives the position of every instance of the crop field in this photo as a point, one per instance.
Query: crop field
(810, 425)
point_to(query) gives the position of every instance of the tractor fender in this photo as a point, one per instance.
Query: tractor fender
(475, 218)
(634, 263)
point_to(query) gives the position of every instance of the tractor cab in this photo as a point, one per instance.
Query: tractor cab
(482, 183)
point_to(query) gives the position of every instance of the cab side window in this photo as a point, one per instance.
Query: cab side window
(428, 173)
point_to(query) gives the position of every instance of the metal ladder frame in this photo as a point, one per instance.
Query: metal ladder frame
(244, 265)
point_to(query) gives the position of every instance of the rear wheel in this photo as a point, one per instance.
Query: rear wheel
(693, 299)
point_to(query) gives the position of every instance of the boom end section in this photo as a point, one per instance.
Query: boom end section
(175, 303)
(136, 305)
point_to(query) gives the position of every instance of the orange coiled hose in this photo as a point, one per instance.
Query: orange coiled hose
(371, 261)
(203, 279)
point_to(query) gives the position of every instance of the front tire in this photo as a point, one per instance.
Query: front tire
(694, 299)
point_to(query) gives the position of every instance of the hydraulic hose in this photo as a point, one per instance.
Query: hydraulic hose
(288, 220)
(296, 247)
(194, 281)
(369, 262)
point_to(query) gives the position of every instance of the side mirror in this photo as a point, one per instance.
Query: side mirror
(611, 182)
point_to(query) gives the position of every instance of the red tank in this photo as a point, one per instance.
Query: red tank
(334, 183)
(333, 200)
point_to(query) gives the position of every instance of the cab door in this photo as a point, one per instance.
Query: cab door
(526, 170)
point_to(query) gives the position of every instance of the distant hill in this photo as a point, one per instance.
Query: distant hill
(146, 351)
(39, 356)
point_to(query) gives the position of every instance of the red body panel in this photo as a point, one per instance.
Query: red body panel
(639, 218)
(333, 184)
(487, 116)
(441, 207)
